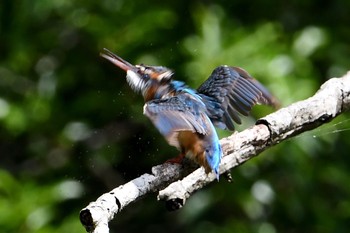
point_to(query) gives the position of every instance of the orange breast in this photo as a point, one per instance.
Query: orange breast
(192, 146)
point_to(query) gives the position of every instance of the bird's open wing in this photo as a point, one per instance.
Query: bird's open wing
(178, 113)
(229, 91)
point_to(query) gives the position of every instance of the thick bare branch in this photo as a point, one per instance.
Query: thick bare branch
(332, 99)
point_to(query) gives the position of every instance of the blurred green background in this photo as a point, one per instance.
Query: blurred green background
(71, 128)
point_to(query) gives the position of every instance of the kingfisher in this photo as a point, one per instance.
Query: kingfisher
(187, 117)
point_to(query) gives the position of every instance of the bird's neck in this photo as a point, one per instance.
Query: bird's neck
(157, 91)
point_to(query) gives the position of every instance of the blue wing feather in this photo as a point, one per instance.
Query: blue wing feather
(185, 112)
(236, 92)
(178, 113)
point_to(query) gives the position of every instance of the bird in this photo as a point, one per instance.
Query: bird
(187, 117)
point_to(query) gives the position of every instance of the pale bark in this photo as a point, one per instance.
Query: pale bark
(175, 184)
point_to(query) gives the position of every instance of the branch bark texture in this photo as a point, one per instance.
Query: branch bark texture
(175, 184)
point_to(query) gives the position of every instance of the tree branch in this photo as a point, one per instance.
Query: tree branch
(332, 99)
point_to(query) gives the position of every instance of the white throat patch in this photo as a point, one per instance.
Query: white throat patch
(135, 81)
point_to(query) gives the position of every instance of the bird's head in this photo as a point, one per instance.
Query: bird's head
(140, 77)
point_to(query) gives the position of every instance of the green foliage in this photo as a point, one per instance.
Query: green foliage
(29, 207)
(71, 129)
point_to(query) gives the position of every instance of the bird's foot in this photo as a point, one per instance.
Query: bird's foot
(177, 159)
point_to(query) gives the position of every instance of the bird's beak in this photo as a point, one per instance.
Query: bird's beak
(116, 60)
